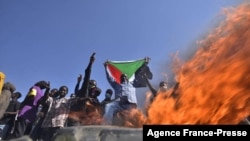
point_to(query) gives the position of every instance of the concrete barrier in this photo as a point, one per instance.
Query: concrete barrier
(95, 133)
(99, 133)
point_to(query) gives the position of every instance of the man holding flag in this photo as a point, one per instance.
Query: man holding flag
(124, 77)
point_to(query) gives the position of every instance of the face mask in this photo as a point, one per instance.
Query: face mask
(107, 95)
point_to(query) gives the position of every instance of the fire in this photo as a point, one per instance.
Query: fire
(215, 83)
(133, 118)
(88, 115)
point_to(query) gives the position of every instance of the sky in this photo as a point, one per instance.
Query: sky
(53, 40)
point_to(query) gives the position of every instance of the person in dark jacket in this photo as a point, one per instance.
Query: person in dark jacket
(10, 115)
(88, 91)
(108, 95)
(106, 100)
(163, 87)
(28, 109)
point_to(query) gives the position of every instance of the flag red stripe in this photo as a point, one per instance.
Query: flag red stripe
(115, 73)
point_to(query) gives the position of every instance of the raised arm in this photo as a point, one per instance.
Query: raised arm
(111, 80)
(152, 89)
(79, 79)
(146, 68)
(142, 74)
(46, 94)
(84, 88)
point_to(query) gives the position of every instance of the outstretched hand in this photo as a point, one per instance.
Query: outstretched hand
(92, 58)
(147, 59)
(79, 78)
(106, 63)
(48, 85)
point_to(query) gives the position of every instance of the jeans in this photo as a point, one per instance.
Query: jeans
(5, 132)
(114, 107)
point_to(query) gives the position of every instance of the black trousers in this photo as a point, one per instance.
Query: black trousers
(72, 122)
(49, 132)
(21, 128)
(37, 130)
(7, 129)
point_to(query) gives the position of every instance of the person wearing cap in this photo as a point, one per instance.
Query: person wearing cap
(94, 92)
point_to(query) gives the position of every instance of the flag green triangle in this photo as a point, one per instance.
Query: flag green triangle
(128, 68)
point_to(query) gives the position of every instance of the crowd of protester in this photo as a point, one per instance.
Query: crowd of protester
(45, 110)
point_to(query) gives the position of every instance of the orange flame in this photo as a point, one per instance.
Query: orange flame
(89, 115)
(215, 84)
(133, 118)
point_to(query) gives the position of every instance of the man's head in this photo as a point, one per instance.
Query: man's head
(124, 78)
(94, 92)
(108, 93)
(53, 92)
(72, 95)
(16, 95)
(63, 90)
(92, 84)
(163, 86)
